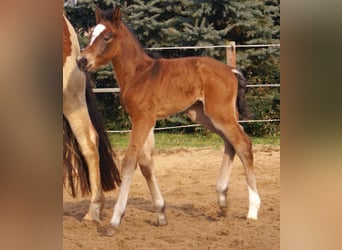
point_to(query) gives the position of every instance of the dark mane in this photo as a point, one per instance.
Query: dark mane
(152, 54)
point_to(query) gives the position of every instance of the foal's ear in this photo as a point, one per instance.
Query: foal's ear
(98, 14)
(117, 15)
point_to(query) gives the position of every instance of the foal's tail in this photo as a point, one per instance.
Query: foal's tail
(241, 99)
(75, 166)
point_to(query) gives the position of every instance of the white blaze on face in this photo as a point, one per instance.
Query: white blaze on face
(96, 32)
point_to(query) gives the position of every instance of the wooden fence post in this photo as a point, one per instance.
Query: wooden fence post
(231, 54)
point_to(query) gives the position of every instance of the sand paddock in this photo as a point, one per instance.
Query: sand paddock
(187, 178)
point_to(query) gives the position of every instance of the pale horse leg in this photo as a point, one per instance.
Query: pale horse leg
(76, 112)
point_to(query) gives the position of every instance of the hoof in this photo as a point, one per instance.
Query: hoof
(253, 213)
(94, 212)
(116, 220)
(115, 224)
(223, 209)
(222, 212)
(162, 222)
(222, 201)
(106, 230)
(161, 216)
(92, 217)
(252, 216)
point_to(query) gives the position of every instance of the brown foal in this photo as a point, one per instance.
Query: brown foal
(205, 89)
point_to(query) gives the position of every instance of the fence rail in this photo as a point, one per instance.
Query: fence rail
(117, 90)
(216, 46)
(187, 126)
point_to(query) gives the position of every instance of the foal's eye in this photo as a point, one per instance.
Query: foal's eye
(108, 37)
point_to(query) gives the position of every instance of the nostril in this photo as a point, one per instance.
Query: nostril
(82, 63)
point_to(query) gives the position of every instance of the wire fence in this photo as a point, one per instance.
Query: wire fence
(216, 46)
(186, 126)
(117, 90)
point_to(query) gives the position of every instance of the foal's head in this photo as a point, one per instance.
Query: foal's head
(101, 47)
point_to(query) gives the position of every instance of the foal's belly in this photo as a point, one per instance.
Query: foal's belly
(171, 108)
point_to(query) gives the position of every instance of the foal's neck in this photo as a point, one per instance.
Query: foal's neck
(131, 56)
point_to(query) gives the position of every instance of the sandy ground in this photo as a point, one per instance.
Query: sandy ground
(187, 178)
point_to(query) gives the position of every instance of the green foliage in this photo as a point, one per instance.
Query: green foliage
(264, 103)
(161, 23)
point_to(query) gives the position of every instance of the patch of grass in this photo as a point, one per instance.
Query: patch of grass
(167, 140)
(268, 140)
(171, 140)
(119, 141)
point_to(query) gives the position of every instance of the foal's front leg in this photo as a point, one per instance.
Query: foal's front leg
(140, 129)
(146, 164)
(129, 163)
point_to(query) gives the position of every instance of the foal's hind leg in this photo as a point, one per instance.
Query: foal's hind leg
(243, 147)
(223, 179)
(220, 108)
(196, 114)
(146, 164)
(87, 139)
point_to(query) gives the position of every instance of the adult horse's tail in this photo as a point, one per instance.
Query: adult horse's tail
(75, 167)
(241, 99)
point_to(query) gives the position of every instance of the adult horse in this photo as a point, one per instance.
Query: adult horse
(205, 89)
(87, 154)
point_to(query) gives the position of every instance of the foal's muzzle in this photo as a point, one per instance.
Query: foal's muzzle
(82, 63)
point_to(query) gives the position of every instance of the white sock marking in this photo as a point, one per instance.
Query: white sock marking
(254, 204)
